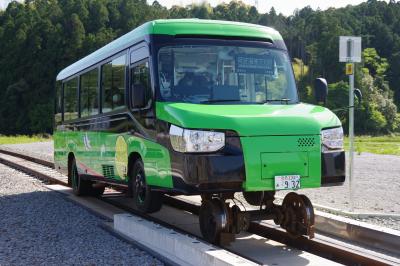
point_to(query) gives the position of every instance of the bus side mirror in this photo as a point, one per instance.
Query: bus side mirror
(321, 90)
(138, 96)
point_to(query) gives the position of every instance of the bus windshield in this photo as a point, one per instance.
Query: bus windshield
(212, 74)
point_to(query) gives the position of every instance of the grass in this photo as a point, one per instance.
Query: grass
(377, 145)
(23, 139)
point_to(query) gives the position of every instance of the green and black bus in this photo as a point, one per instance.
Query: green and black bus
(197, 107)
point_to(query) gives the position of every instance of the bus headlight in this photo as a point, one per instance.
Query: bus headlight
(332, 139)
(187, 140)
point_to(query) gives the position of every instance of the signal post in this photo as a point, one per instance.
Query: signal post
(350, 52)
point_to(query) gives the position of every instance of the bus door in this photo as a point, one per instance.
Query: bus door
(140, 91)
(142, 108)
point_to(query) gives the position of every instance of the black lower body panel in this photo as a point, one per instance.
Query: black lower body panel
(333, 168)
(208, 173)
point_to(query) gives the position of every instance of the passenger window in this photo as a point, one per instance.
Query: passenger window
(71, 99)
(113, 84)
(89, 93)
(58, 103)
(140, 83)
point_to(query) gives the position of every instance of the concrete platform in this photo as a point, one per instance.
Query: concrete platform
(179, 248)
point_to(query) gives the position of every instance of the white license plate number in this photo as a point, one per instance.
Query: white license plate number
(284, 182)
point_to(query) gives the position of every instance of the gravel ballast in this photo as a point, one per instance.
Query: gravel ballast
(377, 183)
(41, 227)
(42, 150)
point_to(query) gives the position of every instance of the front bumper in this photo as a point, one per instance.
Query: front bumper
(244, 165)
(333, 168)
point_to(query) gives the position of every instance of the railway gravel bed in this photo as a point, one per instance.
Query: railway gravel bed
(377, 184)
(41, 227)
(41, 150)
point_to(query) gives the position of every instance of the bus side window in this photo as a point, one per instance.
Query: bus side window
(113, 84)
(140, 81)
(58, 103)
(89, 93)
(71, 99)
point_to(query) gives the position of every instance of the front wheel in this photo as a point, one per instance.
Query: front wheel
(145, 199)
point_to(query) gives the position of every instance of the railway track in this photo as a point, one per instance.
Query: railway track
(322, 246)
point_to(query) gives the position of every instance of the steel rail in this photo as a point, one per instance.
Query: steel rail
(318, 247)
(30, 171)
(28, 158)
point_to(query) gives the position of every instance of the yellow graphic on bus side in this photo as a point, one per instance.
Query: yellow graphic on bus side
(121, 157)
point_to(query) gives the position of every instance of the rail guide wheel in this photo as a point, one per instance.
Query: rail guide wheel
(213, 218)
(298, 215)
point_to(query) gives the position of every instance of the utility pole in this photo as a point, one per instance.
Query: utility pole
(351, 138)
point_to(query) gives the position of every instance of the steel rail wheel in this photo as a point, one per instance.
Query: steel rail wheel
(213, 219)
(298, 215)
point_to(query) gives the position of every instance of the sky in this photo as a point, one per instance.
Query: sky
(281, 6)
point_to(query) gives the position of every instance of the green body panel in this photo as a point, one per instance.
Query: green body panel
(281, 163)
(60, 150)
(98, 154)
(250, 120)
(268, 156)
(156, 159)
(276, 139)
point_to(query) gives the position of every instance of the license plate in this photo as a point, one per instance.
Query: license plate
(283, 182)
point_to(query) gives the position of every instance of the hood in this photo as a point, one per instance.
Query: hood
(250, 120)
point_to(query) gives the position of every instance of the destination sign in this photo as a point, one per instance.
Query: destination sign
(246, 63)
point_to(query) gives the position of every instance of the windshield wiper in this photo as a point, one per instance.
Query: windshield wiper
(285, 100)
(221, 100)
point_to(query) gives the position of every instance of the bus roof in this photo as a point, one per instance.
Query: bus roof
(172, 27)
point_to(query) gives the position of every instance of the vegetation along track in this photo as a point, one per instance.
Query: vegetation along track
(318, 246)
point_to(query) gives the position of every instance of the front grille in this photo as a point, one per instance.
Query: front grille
(306, 142)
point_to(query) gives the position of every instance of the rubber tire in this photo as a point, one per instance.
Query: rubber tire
(152, 201)
(82, 187)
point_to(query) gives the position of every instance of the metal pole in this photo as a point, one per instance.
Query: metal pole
(351, 140)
